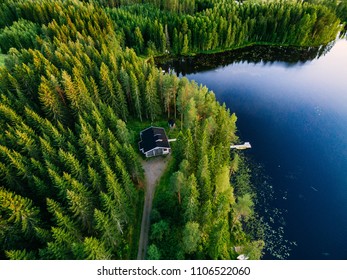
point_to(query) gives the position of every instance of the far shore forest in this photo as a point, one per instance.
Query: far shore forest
(77, 84)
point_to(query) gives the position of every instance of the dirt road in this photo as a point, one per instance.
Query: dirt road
(154, 169)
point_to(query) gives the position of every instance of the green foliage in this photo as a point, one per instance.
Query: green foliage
(242, 179)
(341, 11)
(191, 237)
(18, 211)
(22, 34)
(68, 191)
(2, 59)
(337, 6)
(153, 253)
(244, 207)
(254, 250)
(93, 249)
(199, 194)
(20, 255)
(72, 98)
(159, 230)
(179, 28)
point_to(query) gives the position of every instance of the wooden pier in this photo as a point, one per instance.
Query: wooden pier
(244, 146)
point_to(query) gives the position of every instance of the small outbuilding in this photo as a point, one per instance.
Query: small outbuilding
(172, 123)
(154, 142)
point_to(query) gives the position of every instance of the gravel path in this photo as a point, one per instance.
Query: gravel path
(154, 169)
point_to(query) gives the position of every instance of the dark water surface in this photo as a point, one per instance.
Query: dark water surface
(292, 107)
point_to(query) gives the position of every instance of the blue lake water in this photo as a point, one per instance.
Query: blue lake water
(295, 116)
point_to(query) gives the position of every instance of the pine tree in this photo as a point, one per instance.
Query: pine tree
(204, 179)
(125, 82)
(72, 93)
(178, 182)
(138, 40)
(159, 230)
(94, 249)
(153, 253)
(72, 164)
(115, 190)
(114, 213)
(107, 89)
(81, 206)
(52, 99)
(191, 114)
(190, 201)
(151, 99)
(243, 208)
(185, 47)
(108, 231)
(63, 220)
(224, 196)
(19, 212)
(219, 241)
(61, 246)
(20, 255)
(191, 237)
(135, 95)
(121, 106)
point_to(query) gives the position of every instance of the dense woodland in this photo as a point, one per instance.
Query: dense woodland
(223, 25)
(337, 6)
(71, 181)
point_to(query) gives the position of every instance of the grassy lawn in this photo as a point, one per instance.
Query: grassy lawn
(2, 59)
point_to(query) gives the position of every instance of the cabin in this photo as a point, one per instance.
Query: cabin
(154, 142)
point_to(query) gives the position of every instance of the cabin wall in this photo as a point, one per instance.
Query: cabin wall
(158, 152)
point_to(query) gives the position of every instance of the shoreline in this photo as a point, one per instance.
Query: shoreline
(170, 57)
(253, 53)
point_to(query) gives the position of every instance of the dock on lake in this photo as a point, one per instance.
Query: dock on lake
(244, 146)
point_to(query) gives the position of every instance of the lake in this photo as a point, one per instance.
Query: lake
(292, 106)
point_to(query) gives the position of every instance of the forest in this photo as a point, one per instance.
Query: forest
(223, 25)
(74, 77)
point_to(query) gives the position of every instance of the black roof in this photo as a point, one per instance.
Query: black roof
(153, 137)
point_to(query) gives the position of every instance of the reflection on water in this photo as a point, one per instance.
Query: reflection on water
(292, 106)
(253, 54)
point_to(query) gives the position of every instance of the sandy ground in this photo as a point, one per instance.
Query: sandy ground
(154, 169)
